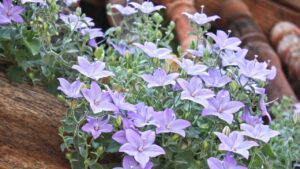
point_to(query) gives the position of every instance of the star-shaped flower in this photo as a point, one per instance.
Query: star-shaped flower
(75, 22)
(201, 18)
(190, 67)
(167, 123)
(10, 13)
(224, 42)
(160, 78)
(215, 78)
(94, 70)
(153, 51)
(194, 91)
(232, 58)
(124, 10)
(228, 163)
(222, 107)
(259, 132)
(72, 90)
(147, 7)
(130, 163)
(141, 147)
(99, 100)
(143, 115)
(249, 119)
(235, 143)
(96, 126)
(199, 52)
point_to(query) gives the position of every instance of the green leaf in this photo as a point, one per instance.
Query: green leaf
(33, 45)
(267, 150)
(15, 74)
(5, 33)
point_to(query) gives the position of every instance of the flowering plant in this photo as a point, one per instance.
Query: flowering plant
(134, 97)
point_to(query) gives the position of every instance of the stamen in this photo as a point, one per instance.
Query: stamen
(202, 8)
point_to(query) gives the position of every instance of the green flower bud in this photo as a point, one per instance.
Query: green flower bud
(155, 61)
(61, 98)
(205, 145)
(31, 76)
(119, 121)
(198, 162)
(118, 31)
(158, 35)
(87, 162)
(127, 55)
(129, 72)
(69, 156)
(296, 117)
(100, 150)
(233, 85)
(226, 130)
(157, 18)
(187, 115)
(172, 25)
(175, 137)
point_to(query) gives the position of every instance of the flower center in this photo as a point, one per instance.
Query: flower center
(97, 102)
(97, 128)
(140, 149)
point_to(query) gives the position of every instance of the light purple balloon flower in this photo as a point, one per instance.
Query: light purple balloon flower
(120, 102)
(10, 13)
(228, 163)
(153, 52)
(167, 123)
(258, 132)
(124, 10)
(199, 52)
(224, 42)
(200, 18)
(160, 78)
(75, 22)
(141, 146)
(130, 163)
(97, 126)
(72, 90)
(222, 107)
(256, 70)
(122, 48)
(147, 7)
(94, 70)
(194, 91)
(93, 32)
(232, 58)
(143, 116)
(99, 100)
(215, 78)
(120, 136)
(235, 143)
(190, 68)
(249, 119)
(263, 108)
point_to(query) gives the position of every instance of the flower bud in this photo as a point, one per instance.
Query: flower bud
(187, 115)
(68, 156)
(119, 121)
(158, 35)
(31, 76)
(172, 25)
(100, 150)
(61, 98)
(157, 18)
(226, 130)
(205, 145)
(155, 61)
(87, 162)
(118, 30)
(233, 85)
(198, 162)
(127, 55)
(129, 72)
(175, 137)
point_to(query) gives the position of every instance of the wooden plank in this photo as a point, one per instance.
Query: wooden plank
(294, 4)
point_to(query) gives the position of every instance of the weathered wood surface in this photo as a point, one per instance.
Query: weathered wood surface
(265, 12)
(294, 4)
(30, 118)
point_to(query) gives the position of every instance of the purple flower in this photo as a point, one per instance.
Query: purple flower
(75, 22)
(235, 143)
(119, 101)
(93, 32)
(222, 107)
(167, 123)
(141, 147)
(96, 126)
(190, 68)
(70, 2)
(152, 51)
(199, 52)
(256, 70)
(119, 136)
(297, 108)
(200, 18)
(194, 91)
(215, 78)
(249, 119)
(228, 163)
(10, 13)
(160, 78)
(34, 1)
(249, 85)
(72, 90)
(224, 42)
(263, 108)
(94, 70)
(125, 11)
(143, 115)
(99, 100)
(122, 48)
(147, 7)
(259, 132)
(130, 163)
(232, 58)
